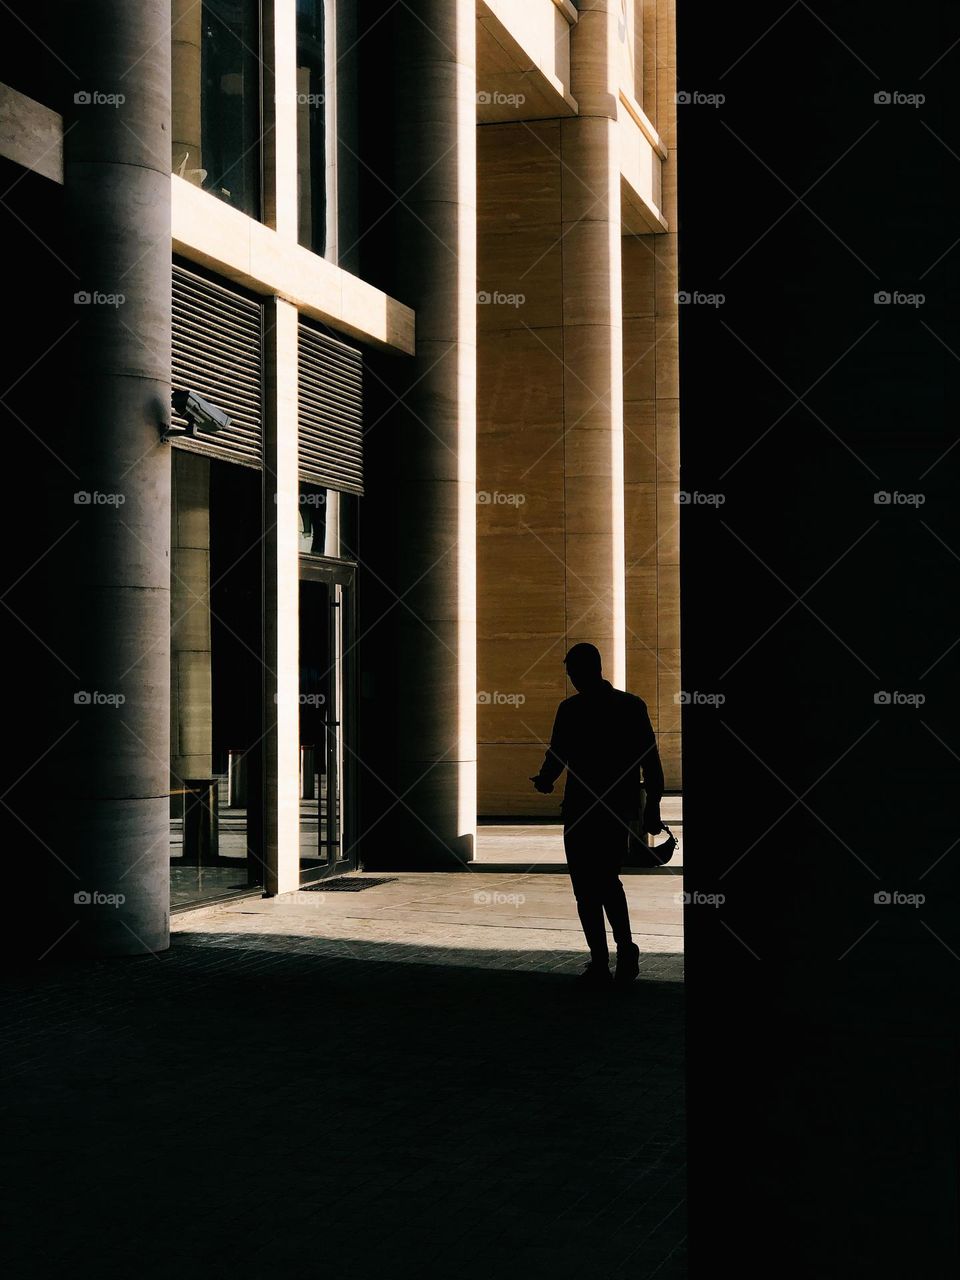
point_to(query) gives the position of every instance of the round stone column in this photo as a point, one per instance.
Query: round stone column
(111, 831)
(423, 780)
(593, 341)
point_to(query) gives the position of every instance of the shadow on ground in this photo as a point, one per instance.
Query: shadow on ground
(234, 1108)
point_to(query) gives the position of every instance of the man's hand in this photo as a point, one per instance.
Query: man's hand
(543, 787)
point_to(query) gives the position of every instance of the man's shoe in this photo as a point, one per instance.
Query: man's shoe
(596, 974)
(628, 964)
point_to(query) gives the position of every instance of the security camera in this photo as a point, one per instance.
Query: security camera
(200, 414)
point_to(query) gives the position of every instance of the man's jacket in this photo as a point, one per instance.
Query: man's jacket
(605, 741)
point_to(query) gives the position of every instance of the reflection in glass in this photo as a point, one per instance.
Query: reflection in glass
(216, 809)
(321, 719)
(328, 522)
(216, 98)
(311, 125)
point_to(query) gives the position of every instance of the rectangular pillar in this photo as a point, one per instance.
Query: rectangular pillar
(281, 583)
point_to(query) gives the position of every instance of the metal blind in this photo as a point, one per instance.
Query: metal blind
(330, 411)
(218, 351)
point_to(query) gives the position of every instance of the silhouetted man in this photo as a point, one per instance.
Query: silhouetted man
(604, 739)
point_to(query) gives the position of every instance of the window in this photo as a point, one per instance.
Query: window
(216, 99)
(311, 126)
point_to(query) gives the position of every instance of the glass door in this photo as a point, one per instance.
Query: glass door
(216, 677)
(325, 713)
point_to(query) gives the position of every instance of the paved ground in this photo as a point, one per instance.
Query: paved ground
(403, 1081)
(542, 844)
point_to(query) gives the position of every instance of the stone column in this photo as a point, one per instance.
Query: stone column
(425, 813)
(668, 409)
(191, 700)
(280, 108)
(111, 832)
(281, 601)
(652, 442)
(592, 341)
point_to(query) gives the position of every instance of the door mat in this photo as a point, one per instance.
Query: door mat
(346, 884)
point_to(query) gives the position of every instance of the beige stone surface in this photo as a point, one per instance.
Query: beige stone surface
(523, 51)
(669, 627)
(523, 913)
(643, 675)
(207, 231)
(642, 627)
(598, 430)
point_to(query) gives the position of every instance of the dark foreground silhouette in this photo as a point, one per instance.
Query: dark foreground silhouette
(603, 737)
(254, 1106)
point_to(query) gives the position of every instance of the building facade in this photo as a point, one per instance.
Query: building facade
(365, 322)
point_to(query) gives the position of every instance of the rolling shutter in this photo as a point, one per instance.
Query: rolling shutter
(330, 411)
(218, 352)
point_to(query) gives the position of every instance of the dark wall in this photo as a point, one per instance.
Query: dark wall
(390, 833)
(822, 1020)
(36, 512)
(33, 59)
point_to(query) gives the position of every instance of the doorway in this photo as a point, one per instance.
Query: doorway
(326, 718)
(216, 703)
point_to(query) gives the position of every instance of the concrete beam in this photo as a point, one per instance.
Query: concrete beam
(31, 134)
(209, 232)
